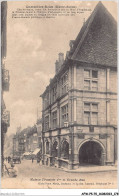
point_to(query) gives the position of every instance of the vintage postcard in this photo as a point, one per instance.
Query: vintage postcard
(59, 95)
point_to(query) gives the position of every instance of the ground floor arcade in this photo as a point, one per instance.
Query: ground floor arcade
(74, 146)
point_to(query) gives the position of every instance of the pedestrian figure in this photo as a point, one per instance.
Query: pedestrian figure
(39, 159)
(32, 160)
(12, 164)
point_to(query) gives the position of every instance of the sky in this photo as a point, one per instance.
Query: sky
(33, 46)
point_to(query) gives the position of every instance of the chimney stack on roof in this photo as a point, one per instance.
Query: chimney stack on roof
(59, 62)
(71, 44)
(61, 58)
(56, 66)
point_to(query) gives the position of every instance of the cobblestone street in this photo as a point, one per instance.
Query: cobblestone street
(33, 175)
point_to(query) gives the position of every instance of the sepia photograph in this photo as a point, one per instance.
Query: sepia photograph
(59, 95)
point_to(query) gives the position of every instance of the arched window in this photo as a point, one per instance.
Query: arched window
(65, 150)
(47, 147)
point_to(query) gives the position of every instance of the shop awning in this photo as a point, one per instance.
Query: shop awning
(26, 153)
(36, 151)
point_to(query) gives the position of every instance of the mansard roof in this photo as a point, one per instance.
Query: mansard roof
(97, 40)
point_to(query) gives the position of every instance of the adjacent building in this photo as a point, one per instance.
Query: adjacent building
(79, 112)
(19, 141)
(39, 132)
(27, 142)
(32, 140)
(5, 115)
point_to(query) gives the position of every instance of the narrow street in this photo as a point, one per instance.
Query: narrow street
(33, 175)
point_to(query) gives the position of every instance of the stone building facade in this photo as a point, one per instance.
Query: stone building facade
(26, 141)
(80, 103)
(31, 142)
(19, 142)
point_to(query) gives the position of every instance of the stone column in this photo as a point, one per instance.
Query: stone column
(108, 111)
(74, 101)
(103, 158)
(74, 76)
(50, 119)
(70, 78)
(59, 151)
(70, 151)
(108, 79)
(108, 148)
(43, 150)
(50, 146)
(115, 145)
(59, 147)
(76, 152)
(70, 110)
(50, 151)
(58, 114)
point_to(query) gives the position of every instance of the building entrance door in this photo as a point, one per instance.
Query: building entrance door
(91, 153)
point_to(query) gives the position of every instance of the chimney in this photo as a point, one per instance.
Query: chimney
(57, 67)
(67, 55)
(71, 44)
(59, 62)
(61, 59)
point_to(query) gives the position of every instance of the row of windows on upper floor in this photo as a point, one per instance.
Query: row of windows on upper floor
(60, 88)
(90, 116)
